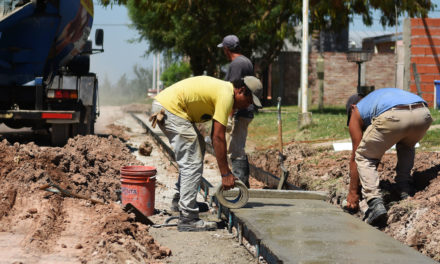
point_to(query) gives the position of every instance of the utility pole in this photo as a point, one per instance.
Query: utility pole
(395, 48)
(305, 118)
(320, 70)
(154, 74)
(158, 73)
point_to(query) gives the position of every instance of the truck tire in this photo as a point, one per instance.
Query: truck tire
(60, 134)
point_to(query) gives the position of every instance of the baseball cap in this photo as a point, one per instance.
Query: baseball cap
(352, 100)
(256, 88)
(230, 42)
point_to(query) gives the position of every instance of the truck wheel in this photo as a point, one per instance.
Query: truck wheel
(60, 134)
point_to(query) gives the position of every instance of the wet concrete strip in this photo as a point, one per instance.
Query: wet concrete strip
(283, 194)
(313, 231)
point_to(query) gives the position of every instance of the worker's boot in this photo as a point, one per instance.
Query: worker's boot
(405, 190)
(195, 225)
(175, 203)
(376, 215)
(240, 169)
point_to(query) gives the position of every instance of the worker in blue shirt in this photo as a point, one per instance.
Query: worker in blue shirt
(376, 122)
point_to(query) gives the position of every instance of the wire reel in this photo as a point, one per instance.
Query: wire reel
(239, 201)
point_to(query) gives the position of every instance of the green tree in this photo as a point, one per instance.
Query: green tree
(193, 28)
(175, 72)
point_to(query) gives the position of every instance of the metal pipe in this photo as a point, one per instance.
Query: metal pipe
(257, 249)
(240, 233)
(304, 55)
(205, 195)
(219, 212)
(230, 223)
(154, 74)
(158, 73)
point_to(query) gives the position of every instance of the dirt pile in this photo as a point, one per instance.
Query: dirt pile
(413, 221)
(49, 226)
(308, 168)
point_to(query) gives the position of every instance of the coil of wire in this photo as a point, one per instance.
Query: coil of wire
(239, 201)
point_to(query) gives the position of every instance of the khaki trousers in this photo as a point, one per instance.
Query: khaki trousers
(396, 126)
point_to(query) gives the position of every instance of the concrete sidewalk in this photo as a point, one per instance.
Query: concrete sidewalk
(314, 231)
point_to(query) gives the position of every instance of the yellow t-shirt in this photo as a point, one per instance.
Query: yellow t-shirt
(199, 99)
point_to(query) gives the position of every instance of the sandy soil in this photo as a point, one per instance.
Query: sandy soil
(413, 221)
(49, 227)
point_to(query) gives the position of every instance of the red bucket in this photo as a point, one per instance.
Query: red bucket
(138, 184)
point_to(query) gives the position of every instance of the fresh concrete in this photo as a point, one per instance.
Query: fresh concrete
(283, 194)
(314, 231)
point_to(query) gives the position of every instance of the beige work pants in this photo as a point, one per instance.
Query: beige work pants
(395, 126)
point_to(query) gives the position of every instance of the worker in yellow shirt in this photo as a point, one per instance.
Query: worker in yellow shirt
(195, 100)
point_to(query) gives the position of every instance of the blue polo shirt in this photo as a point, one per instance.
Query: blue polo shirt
(381, 100)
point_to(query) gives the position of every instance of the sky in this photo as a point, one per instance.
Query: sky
(120, 56)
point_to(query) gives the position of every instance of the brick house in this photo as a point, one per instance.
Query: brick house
(419, 44)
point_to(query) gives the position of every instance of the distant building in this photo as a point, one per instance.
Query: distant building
(381, 44)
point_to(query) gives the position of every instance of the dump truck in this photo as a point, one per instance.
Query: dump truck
(45, 78)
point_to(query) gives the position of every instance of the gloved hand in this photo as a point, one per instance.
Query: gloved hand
(157, 117)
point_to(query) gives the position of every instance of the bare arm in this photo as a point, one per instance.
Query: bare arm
(355, 128)
(219, 144)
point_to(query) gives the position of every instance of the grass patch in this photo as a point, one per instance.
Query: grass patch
(329, 124)
(431, 141)
(436, 116)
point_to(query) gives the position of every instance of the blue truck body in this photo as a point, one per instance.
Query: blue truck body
(45, 81)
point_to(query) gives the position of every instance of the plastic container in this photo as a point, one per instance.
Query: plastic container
(437, 94)
(138, 184)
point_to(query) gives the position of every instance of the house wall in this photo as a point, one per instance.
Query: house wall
(424, 48)
(341, 76)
